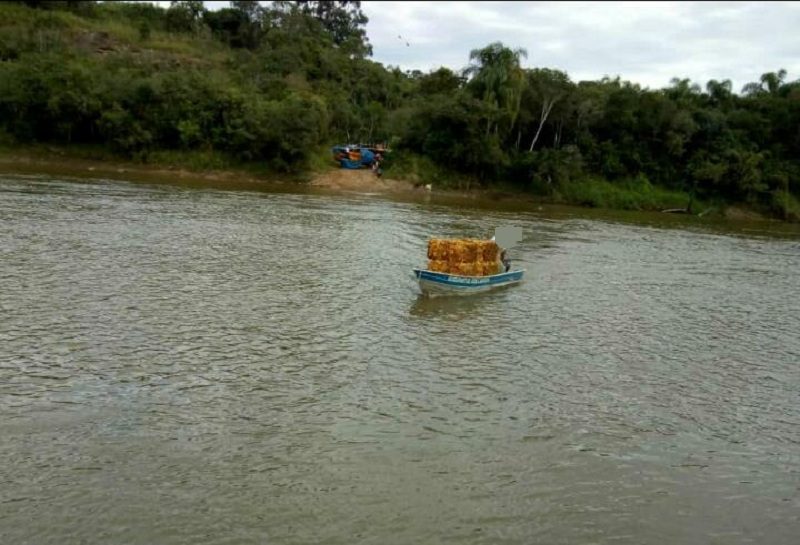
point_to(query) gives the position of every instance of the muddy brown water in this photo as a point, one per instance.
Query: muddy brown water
(185, 364)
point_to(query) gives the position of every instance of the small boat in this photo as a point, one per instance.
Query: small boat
(437, 283)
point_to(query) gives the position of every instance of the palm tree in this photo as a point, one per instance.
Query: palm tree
(719, 94)
(773, 81)
(497, 79)
(682, 90)
(770, 82)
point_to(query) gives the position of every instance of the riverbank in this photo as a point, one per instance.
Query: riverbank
(93, 163)
(57, 160)
(47, 159)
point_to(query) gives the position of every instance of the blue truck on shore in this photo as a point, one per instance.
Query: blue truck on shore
(356, 156)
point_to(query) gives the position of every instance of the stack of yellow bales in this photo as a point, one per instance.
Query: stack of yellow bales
(466, 257)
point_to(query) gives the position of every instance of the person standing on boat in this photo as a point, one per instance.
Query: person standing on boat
(503, 262)
(506, 262)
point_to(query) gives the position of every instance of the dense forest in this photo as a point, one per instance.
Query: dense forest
(278, 84)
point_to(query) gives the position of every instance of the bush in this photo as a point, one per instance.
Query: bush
(543, 172)
(631, 194)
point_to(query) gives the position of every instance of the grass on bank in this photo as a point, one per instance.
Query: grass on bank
(634, 194)
(421, 170)
(637, 194)
(197, 161)
(25, 29)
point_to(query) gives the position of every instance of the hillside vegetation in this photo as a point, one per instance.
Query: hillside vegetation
(275, 86)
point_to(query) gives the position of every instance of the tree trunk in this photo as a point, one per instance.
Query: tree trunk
(519, 137)
(545, 112)
(786, 199)
(691, 198)
(559, 132)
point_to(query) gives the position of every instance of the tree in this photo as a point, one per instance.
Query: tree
(497, 79)
(239, 28)
(344, 21)
(448, 130)
(80, 6)
(772, 81)
(719, 92)
(441, 81)
(545, 87)
(184, 16)
(683, 91)
(769, 83)
(376, 114)
(250, 9)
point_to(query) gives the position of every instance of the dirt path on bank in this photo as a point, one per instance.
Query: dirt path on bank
(360, 180)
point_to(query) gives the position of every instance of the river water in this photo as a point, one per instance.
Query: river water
(195, 365)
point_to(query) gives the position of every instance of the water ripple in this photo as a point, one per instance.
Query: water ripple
(195, 365)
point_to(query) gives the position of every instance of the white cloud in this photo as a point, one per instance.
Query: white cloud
(644, 42)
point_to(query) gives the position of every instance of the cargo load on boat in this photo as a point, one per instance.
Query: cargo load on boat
(466, 257)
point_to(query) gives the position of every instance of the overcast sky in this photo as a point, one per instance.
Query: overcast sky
(645, 42)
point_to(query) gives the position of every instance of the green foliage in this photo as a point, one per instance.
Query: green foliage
(144, 31)
(6, 140)
(197, 160)
(546, 171)
(784, 205)
(421, 170)
(184, 16)
(441, 81)
(272, 84)
(234, 27)
(343, 21)
(634, 194)
(451, 131)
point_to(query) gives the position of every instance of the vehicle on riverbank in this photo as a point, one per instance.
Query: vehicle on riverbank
(356, 156)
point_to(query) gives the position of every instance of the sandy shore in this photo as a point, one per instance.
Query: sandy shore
(360, 180)
(333, 179)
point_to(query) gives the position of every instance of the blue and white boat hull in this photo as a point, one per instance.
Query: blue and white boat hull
(436, 283)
